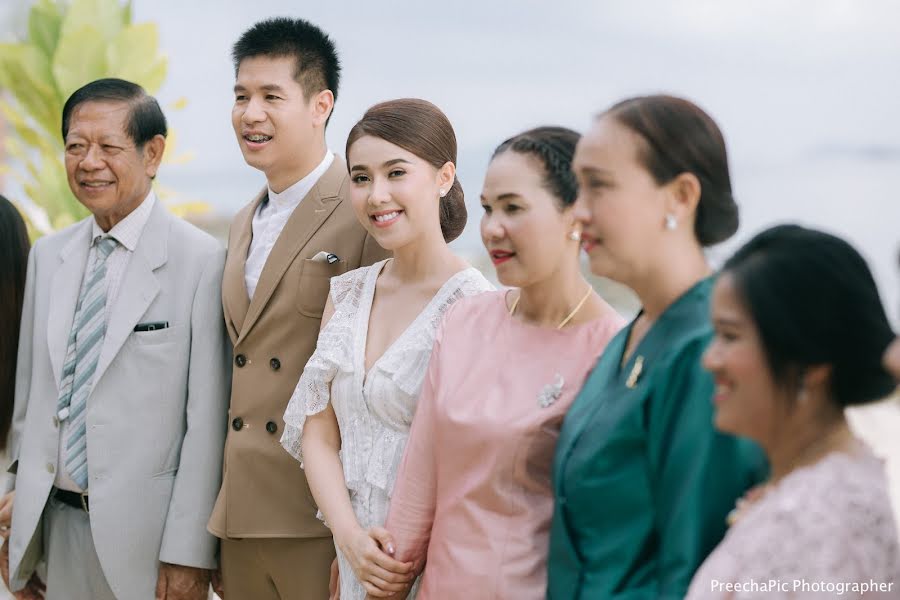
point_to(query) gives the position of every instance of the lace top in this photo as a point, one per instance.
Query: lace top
(374, 410)
(824, 526)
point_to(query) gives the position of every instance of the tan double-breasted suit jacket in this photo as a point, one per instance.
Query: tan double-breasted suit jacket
(264, 493)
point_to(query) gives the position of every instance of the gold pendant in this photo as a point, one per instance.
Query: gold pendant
(632, 380)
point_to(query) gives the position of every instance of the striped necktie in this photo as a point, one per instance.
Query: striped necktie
(82, 354)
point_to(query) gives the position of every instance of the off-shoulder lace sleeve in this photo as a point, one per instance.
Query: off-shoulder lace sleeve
(333, 348)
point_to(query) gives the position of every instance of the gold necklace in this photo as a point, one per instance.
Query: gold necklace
(512, 309)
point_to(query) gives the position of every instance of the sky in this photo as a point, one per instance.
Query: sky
(806, 92)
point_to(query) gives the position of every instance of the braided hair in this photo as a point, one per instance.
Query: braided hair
(554, 147)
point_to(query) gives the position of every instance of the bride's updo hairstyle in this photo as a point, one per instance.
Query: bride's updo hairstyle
(420, 127)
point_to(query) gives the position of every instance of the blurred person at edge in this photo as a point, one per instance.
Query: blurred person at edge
(800, 335)
(654, 189)
(283, 248)
(504, 371)
(14, 247)
(122, 376)
(877, 423)
(349, 417)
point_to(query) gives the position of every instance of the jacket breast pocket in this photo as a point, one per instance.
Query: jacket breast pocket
(314, 283)
(157, 336)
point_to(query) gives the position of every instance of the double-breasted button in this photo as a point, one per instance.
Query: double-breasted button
(275, 364)
(271, 427)
(237, 423)
(240, 360)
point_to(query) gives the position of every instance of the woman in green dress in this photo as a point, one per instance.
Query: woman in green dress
(643, 481)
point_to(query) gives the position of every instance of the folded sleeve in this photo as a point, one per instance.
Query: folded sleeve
(313, 391)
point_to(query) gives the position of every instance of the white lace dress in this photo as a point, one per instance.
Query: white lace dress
(374, 410)
(821, 530)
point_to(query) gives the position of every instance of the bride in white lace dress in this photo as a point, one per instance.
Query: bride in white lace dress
(349, 417)
(800, 333)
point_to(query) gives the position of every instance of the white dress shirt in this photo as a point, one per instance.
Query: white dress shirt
(127, 232)
(271, 217)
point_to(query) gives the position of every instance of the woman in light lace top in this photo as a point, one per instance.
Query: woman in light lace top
(800, 335)
(349, 417)
(474, 492)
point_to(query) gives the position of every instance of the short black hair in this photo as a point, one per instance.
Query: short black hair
(554, 147)
(145, 120)
(814, 302)
(318, 67)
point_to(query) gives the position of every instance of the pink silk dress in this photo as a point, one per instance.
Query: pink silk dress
(473, 492)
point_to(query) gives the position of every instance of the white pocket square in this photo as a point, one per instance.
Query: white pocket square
(326, 257)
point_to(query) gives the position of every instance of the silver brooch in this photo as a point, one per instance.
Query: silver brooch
(551, 392)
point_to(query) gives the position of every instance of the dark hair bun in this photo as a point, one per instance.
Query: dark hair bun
(814, 302)
(681, 138)
(453, 212)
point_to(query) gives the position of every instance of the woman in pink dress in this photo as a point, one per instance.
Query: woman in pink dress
(801, 335)
(473, 493)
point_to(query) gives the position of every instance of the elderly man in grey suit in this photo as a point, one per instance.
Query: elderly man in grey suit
(122, 379)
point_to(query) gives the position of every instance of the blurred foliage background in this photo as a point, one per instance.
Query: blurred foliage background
(69, 43)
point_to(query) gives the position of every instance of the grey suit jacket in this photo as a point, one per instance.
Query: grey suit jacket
(157, 413)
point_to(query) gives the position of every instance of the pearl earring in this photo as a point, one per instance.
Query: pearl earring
(443, 193)
(671, 222)
(575, 236)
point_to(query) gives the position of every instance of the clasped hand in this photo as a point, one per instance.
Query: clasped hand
(370, 554)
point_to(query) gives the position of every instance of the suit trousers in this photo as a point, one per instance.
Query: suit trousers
(73, 568)
(277, 568)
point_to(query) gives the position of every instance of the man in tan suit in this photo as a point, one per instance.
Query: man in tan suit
(282, 251)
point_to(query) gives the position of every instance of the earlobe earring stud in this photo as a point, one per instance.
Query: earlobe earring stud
(575, 236)
(671, 222)
(443, 193)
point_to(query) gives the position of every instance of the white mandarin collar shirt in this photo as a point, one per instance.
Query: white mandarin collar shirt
(271, 217)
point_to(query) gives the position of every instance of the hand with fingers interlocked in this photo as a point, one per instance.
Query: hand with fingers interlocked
(370, 554)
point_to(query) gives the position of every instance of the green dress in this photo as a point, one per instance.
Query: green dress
(643, 482)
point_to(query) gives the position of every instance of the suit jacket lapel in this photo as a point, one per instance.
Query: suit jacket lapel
(235, 298)
(313, 210)
(65, 289)
(138, 288)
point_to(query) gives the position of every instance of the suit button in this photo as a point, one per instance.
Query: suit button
(275, 364)
(240, 360)
(237, 424)
(271, 427)
(51, 468)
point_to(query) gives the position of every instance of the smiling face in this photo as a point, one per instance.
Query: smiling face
(394, 192)
(108, 174)
(621, 208)
(523, 228)
(279, 131)
(747, 399)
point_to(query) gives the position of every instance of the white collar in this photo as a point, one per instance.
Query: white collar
(128, 231)
(293, 194)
